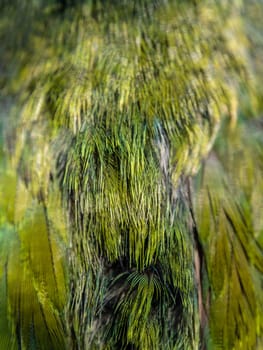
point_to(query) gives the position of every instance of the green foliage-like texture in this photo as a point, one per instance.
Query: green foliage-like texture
(228, 203)
(117, 107)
